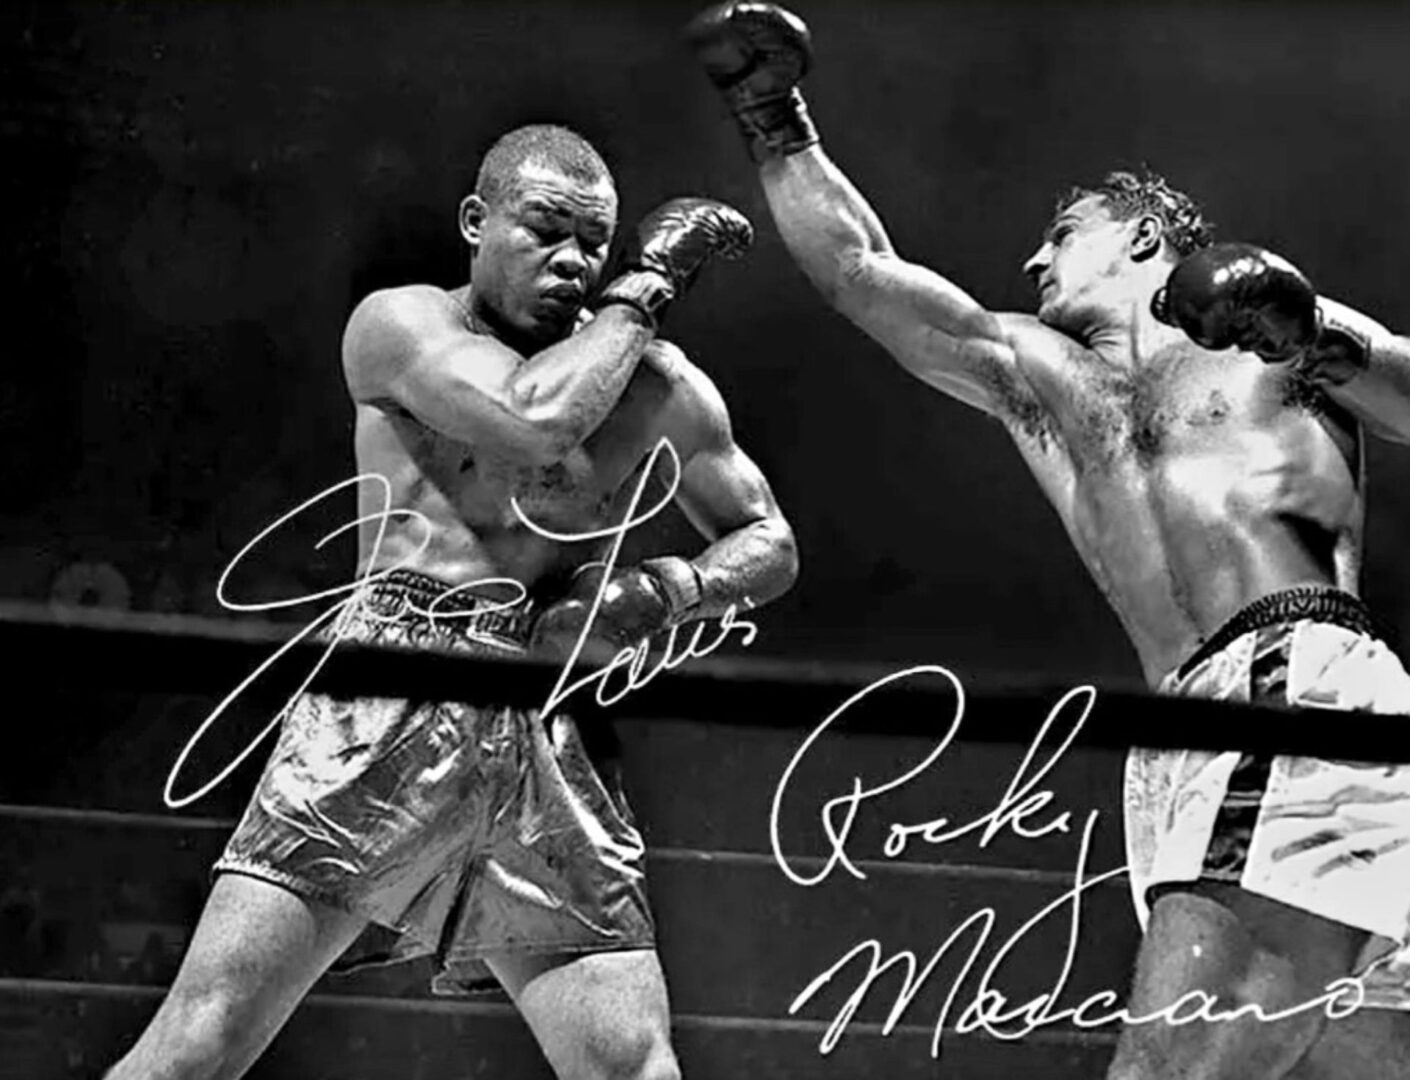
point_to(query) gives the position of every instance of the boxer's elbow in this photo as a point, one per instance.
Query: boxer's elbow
(791, 563)
(783, 556)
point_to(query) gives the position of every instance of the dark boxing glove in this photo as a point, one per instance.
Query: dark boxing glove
(756, 54)
(637, 602)
(1241, 295)
(669, 248)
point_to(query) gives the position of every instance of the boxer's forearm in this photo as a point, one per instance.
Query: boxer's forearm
(747, 567)
(1373, 385)
(826, 223)
(566, 391)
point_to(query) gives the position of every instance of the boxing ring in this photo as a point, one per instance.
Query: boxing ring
(730, 763)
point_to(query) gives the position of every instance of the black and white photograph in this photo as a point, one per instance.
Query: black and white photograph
(643, 539)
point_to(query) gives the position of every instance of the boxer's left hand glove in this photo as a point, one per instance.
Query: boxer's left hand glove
(1241, 295)
(669, 248)
(637, 602)
(756, 54)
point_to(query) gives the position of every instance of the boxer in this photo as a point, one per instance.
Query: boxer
(1204, 455)
(495, 839)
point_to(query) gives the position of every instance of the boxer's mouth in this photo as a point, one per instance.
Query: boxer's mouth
(564, 294)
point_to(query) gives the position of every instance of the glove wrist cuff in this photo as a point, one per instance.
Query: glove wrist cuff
(681, 584)
(648, 291)
(775, 127)
(1339, 354)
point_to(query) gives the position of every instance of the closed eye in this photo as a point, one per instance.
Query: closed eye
(548, 234)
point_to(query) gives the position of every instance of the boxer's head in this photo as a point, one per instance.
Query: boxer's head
(1104, 241)
(538, 225)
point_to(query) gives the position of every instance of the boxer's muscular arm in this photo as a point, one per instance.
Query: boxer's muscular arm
(407, 347)
(931, 326)
(1378, 393)
(756, 55)
(752, 557)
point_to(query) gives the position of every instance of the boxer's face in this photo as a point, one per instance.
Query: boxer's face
(540, 250)
(1083, 251)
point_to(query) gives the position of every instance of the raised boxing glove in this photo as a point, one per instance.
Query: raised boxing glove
(756, 54)
(1241, 295)
(669, 248)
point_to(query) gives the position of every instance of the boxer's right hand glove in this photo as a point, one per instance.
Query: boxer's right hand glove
(637, 602)
(756, 54)
(669, 248)
(1241, 295)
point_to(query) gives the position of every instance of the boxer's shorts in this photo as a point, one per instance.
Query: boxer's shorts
(458, 830)
(1329, 837)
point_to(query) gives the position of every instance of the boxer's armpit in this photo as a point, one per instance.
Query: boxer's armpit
(1015, 403)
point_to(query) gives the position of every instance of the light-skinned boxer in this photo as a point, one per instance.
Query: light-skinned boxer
(1194, 413)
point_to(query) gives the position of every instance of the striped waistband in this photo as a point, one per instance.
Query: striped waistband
(415, 599)
(1319, 603)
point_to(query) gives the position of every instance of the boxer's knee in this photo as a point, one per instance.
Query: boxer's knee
(1229, 1028)
(631, 1050)
(1246, 1049)
(199, 1033)
(597, 1016)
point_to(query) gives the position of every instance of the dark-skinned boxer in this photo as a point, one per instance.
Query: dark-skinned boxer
(495, 839)
(1211, 481)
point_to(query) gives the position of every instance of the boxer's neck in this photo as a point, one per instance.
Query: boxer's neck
(481, 318)
(1122, 329)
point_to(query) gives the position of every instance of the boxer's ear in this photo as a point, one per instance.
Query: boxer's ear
(1146, 237)
(472, 218)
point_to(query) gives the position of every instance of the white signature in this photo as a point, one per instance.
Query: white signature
(630, 662)
(988, 1009)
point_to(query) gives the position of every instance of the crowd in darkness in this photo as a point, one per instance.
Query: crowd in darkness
(50, 930)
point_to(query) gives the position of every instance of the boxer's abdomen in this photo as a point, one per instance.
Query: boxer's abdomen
(1183, 540)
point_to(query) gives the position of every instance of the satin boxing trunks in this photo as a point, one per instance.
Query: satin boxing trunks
(458, 830)
(1326, 836)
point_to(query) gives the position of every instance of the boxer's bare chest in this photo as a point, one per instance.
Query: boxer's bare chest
(587, 489)
(1184, 402)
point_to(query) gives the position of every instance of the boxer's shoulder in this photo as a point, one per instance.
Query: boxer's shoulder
(390, 328)
(1044, 355)
(405, 309)
(1033, 340)
(694, 409)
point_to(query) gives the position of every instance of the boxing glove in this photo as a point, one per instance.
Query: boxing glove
(756, 54)
(1241, 295)
(668, 249)
(637, 602)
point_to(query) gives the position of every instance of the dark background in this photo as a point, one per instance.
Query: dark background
(196, 194)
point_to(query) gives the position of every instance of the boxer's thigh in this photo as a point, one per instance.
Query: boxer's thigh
(596, 1015)
(255, 952)
(1238, 949)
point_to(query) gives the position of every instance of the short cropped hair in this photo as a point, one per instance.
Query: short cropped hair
(1128, 194)
(549, 145)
